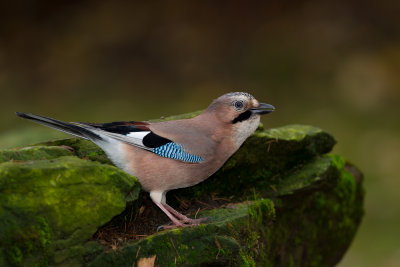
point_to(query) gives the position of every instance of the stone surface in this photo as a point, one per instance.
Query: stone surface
(33, 153)
(310, 222)
(291, 204)
(50, 208)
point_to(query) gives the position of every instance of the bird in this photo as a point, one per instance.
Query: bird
(172, 154)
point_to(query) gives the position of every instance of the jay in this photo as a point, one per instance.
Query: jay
(172, 154)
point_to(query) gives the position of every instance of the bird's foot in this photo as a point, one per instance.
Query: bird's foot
(171, 225)
(178, 219)
(182, 218)
(182, 223)
(190, 221)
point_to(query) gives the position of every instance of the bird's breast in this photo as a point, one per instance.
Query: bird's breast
(159, 173)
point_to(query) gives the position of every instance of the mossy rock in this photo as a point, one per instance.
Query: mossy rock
(50, 208)
(33, 153)
(289, 204)
(311, 223)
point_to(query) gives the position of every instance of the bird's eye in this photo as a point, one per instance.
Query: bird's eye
(238, 105)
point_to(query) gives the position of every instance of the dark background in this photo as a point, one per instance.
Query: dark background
(334, 64)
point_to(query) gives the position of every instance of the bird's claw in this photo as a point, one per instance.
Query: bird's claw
(161, 227)
(194, 221)
(184, 223)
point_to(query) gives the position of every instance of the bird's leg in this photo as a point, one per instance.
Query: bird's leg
(182, 217)
(179, 220)
(174, 220)
(158, 198)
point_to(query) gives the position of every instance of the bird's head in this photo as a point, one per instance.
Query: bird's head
(238, 107)
(240, 111)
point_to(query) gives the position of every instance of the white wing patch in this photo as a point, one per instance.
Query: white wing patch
(138, 136)
(135, 141)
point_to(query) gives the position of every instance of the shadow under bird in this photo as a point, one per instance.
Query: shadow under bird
(172, 154)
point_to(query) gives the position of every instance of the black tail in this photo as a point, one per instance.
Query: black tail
(61, 126)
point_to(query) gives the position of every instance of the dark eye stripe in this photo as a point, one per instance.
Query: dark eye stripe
(242, 117)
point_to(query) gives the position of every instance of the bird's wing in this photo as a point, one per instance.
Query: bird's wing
(195, 136)
(140, 135)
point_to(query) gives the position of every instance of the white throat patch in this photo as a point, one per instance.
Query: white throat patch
(244, 129)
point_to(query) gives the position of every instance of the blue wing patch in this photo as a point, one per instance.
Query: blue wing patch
(174, 151)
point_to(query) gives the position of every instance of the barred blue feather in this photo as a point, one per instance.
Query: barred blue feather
(174, 151)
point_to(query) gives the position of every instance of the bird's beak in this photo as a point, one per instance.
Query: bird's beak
(263, 109)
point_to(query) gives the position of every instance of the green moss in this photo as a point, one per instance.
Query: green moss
(81, 148)
(15, 255)
(246, 260)
(171, 249)
(33, 153)
(27, 242)
(249, 234)
(69, 197)
(260, 209)
(311, 222)
(254, 234)
(186, 246)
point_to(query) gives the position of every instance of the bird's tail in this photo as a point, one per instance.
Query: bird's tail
(61, 126)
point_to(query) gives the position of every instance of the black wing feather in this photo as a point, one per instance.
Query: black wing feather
(153, 140)
(121, 127)
(60, 125)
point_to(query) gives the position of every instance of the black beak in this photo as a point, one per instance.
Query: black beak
(263, 109)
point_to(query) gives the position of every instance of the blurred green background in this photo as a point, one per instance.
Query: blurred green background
(333, 64)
